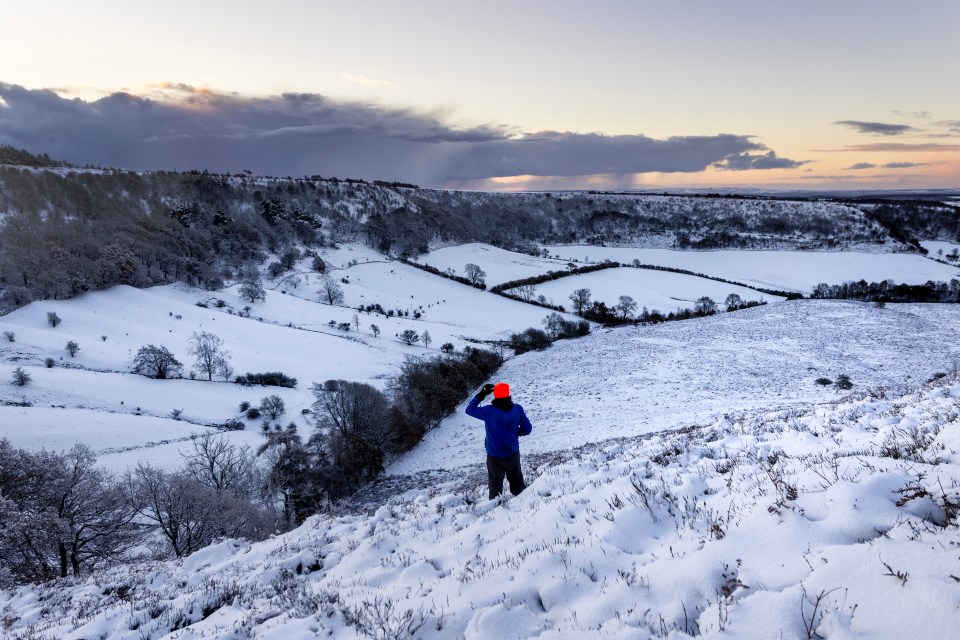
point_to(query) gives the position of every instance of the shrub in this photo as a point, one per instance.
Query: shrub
(156, 362)
(244, 406)
(53, 319)
(823, 382)
(253, 413)
(20, 377)
(272, 406)
(530, 340)
(233, 424)
(843, 382)
(9, 336)
(269, 379)
(49, 362)
(409, 336)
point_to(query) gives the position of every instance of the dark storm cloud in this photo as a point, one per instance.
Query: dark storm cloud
(861, 165)
(295, 134)
(877, 128)
(769, 160)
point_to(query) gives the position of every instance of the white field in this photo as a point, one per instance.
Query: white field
(759, 524)
(500, 265)
(937, 246)
(781, 270)
(776, 492)
(629, 381)
(660, 290)
(289, 332)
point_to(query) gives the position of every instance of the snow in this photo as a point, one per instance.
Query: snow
(500, 265)
(781, 270)
(684, 479)
(772, 524)
(626, 382)
(657, 290)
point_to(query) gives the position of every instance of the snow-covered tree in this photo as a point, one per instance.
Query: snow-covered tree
(252, 290)
(156, 362)
(208, 349)
(626, 306)
(474, 274)
(580, 299)
(330, 292)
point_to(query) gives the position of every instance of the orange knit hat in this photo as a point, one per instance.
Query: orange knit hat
(501, 390)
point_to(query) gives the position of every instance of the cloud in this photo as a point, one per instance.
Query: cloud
(861, 165)
(894, 147)
(905, 165)
(922, 115)
(952, 125)
(769, 160)
(178, 126)
(877, 128)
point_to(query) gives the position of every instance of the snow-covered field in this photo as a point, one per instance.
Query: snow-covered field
(657, 290)
(289, 332)
(781, 270)
(630, 381)
(838, 521)
(499, 265)
(939, 249)
(685, 479)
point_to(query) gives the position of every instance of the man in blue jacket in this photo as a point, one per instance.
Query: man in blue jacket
(504, 422)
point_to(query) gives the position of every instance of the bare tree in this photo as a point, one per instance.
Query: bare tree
(252, 290)
(526, 291)
(59, 514)
(356, 322)
(626, 307)
(426, 339)
(733, 301)
(705, 305)
(330, 292)
(222, 465)
(53, 319)
(375, 330)
(272, 406)
(409, 336)
(580, 299)
(474, 274)
(156, 362)
(208, 349)
(72, 348)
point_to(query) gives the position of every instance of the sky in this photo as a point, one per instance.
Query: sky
(820, 94)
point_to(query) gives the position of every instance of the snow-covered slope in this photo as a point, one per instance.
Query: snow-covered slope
(631, 381)
(499, 265)
(837, 522)
(782, 270)
(657, 290)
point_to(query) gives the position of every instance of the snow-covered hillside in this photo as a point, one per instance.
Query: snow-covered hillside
(630, 381)
(499, 265)
(289, 332)
(782, 270)
(656, 290)
(837, 521)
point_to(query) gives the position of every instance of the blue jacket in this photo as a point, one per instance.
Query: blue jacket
(503, 427)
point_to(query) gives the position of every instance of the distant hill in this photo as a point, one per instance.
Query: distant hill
(66, 230)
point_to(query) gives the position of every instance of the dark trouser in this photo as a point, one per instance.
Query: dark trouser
(498, 467)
